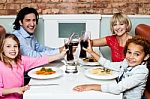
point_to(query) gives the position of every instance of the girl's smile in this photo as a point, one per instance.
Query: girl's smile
(135, 54)
(10, 48)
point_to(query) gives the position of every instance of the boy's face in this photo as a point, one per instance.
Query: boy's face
(10, 48)
(29, 23)
(135, 54)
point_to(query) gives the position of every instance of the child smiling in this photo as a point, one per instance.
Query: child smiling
(133, 70)
(13, 65)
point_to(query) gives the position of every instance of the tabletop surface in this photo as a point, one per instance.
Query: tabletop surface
(64, 84)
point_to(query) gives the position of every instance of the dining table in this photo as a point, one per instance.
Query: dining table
(62, 87)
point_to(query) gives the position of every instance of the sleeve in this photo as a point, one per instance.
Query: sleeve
(108, 64)
(138, 78)
(111, 40)
(44, 49)
(30, 62)
(38, 51)
(108, 39)
(1, 85)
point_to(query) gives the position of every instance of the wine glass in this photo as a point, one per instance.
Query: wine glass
(70, 63)
(84, 43)
(74, 39)
(71, 60)
(68, 45)
(86, 35)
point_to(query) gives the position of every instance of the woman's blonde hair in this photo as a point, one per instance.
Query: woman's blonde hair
(122, 19)
(4, 58)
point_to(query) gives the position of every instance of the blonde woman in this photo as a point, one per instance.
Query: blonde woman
(120, 25)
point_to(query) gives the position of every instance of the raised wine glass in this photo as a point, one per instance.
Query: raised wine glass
(84, 43)
(75, 39)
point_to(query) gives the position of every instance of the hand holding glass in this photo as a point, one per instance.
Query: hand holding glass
(68, 46)
(84, 43)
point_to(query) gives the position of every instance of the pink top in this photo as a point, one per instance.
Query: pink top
(116, 50)
(14, 77)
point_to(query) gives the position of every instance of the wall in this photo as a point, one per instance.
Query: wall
(104, 7)
(7, 21)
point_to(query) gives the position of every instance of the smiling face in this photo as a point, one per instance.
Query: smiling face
(135, 54)
(29, 23)
(10, 48)
(119, 29)
(120, 23)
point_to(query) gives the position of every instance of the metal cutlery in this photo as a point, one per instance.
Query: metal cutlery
(42, 84)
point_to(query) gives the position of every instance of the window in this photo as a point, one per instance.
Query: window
(66, 29)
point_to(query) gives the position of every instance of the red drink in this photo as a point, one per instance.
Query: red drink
(69, 52)
(83, 52)
(75, 43)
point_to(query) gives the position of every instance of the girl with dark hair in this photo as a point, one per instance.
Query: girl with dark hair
(133, 70)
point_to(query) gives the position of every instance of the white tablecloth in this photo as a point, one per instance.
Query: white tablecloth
(64, 89)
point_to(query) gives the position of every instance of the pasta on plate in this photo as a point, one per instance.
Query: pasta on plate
(89, 59)
(101, 71)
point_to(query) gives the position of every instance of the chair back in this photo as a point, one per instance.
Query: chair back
(2, 30)
(143, 30)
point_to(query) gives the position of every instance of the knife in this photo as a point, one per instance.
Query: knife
(42, 84)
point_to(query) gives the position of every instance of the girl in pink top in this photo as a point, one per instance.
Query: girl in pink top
(13, 66)
(120, 25)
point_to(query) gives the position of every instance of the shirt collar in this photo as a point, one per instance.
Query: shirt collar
(24, 33)
(129, 68)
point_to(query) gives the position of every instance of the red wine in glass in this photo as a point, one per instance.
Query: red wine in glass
(69, 52)
(75, 43)
(84, 44)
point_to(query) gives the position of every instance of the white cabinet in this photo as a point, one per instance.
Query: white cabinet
(52, 26)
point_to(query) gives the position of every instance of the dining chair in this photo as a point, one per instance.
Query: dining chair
(143, 30)
(2, 30)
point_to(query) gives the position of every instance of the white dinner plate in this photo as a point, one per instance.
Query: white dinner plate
(81, 62)
(94, 76)
(58, 73)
